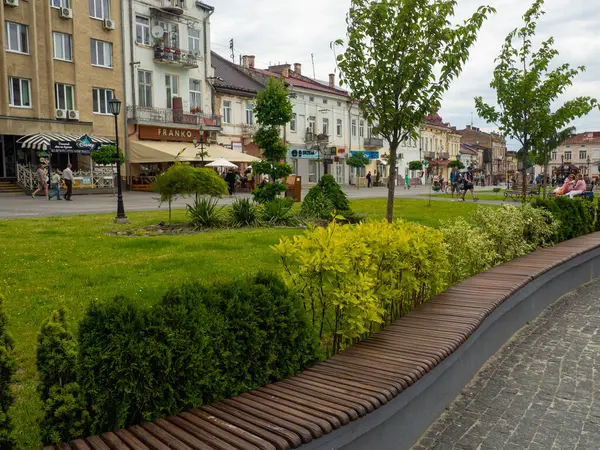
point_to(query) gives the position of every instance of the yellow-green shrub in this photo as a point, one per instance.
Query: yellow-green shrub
(352, 278)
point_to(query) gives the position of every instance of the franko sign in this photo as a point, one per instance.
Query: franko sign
(168, 134)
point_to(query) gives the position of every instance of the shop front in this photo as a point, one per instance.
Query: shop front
(312, 164)
(153, 149)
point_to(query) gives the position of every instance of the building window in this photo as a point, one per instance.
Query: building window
(194, 41)
(60, 3)
(249, 113)
(326, 127)
(339, 127)
(99, 9)
(19, 92)
(65, 96)
(145, 88)
(369, 130)
(172, 88)
(142, 30)
(63, 46)
(101, 53)
(227, 111)
(339, 103)
(100, 99)
(311, 99)
(361, 128)
(195, 97)
(17, 39)
(293, 122)
(582, 155)
(312, 125)
(568, 156)
(354, 127)
(325, 101)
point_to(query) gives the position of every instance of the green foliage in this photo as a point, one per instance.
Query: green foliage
(268, 192)
(279, 212)
(7, 371)
(273, 106)
(179, 179)
(208, 182)
(65, 415)
(243, 213)
(199, 344)
(456, 163)
(400, 75)
(527, 82)
(107, 155)
(497, 189)
(357, 160)
(205, 213)
(324, 198)
(415, 165)
(577, 217)
(268, 138)
(353, 279)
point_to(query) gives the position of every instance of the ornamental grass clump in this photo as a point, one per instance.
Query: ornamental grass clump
(355, 279)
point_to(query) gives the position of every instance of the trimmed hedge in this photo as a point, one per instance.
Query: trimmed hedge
(199, 344)
(7, 370)
(577, 217)
(324, 198)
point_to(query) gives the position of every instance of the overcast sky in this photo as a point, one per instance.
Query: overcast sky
(280, 31)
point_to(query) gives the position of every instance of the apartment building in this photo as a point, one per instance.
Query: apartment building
(60, 64)
(440, 144)
(492, 152)
(580, 152)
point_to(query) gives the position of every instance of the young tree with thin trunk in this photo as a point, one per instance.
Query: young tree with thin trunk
(526, 88)
(399, 59)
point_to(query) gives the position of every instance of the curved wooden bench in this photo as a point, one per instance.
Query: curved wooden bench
(330, 405)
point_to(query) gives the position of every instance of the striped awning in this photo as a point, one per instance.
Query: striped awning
(41, 141)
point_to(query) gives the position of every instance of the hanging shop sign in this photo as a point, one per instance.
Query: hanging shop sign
(168, 134)
(84, 146)
(304, 154)
(370, 155)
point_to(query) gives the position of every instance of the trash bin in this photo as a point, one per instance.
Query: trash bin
(294, 188)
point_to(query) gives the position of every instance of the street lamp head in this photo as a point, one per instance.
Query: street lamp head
(115, 106)
(195, 140)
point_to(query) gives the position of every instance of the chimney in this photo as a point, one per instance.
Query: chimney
(245, 61)
(332, 80)
(286, 71)
(298, 68)
(251, 61)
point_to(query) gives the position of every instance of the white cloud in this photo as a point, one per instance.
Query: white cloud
(278, 31)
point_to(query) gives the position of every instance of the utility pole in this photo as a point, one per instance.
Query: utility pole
(232, 52)
(312, 57)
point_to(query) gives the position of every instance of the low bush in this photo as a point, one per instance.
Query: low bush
(353, 279)
(205, 213)
(577, 217)
(199, 344)
(279, 212)
(325, 198)
(65, 415)
(497, 189)
(7, 371)
(268, 192)
(243, 213)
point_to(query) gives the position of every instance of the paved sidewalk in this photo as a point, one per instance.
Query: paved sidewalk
(541, 391)
(23, 206)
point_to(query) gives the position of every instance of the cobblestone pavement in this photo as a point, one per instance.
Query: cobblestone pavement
(541, 391)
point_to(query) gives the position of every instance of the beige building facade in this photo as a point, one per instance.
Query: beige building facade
(60, 64)
(440, 144)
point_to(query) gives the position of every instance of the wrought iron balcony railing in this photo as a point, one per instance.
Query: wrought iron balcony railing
(141, 114)
(372, 142)
(170, 55)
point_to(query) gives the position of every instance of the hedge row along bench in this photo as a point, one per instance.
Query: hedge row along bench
(362, 397)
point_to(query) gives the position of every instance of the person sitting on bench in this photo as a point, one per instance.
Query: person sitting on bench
(579, 188)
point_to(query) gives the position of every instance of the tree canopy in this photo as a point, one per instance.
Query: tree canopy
(399, 58)
(106, 155)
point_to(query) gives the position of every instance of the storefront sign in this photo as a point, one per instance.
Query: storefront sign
(341, 151)
(370, 155)
(83, 146)
(168, 134)
(237, 147)
(304, 154)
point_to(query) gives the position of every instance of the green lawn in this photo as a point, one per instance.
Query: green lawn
(482, 195)
(71, 260)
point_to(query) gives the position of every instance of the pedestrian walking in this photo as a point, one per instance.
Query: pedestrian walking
(369, 179)
(230, 180)
(454, 181)
(55, 185)
(42, 184)
(468, 186)
(68, 177)
(406, 182)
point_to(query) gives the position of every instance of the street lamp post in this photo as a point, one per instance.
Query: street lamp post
(115, 109)
(201, 153)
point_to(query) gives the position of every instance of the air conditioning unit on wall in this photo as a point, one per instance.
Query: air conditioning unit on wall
(109, 24)
(11, 2)
(73, 114)
(61, 113)
(66, 13)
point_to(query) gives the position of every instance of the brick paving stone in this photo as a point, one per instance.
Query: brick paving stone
(541, 391)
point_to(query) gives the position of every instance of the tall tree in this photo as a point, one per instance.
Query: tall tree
(273, 110)
(526, 88)
(399, 59)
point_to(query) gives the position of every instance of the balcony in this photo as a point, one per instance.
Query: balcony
(247, 130)
(314, 138)
(371, 142)
(160, 116)
(174, 7)
(176, 56)
(444, 155)
(428, 155)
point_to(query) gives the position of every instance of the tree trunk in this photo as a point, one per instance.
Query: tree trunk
(545, 180)
(524, 173)
(391, 183)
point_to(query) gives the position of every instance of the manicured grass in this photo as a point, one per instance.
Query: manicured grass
(478, 194)
(72, 260)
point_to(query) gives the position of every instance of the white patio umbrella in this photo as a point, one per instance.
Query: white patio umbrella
(221, 162)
